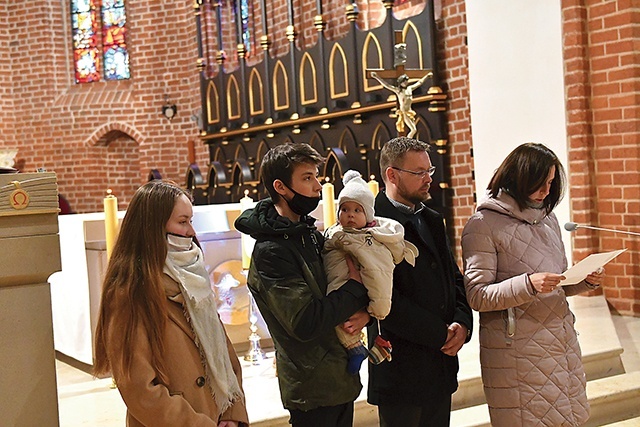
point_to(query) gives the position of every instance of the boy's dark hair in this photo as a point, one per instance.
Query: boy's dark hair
(524, 171)
(280, 161)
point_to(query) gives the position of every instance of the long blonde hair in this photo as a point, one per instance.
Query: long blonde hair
(132, 293)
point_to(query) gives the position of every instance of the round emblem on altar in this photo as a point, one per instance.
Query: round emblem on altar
(19, 199)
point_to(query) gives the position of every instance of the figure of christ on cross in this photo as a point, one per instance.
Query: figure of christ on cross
(403, 90)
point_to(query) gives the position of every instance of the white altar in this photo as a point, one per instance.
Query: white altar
(75, 291)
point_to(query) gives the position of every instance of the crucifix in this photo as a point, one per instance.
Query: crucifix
(402, 89)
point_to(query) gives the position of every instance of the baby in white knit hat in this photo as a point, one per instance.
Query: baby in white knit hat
(376, 245)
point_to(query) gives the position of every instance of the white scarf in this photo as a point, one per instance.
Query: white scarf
(185, 265)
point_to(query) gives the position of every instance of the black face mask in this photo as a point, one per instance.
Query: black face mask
(302, 205)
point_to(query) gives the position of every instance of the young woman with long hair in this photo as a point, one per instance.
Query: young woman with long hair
(158, 332)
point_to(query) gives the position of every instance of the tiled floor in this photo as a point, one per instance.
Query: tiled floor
(86, 401)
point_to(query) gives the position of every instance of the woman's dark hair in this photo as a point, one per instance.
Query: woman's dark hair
(524, 171)
(280, 161)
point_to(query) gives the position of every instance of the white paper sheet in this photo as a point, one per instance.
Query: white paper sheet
(581, 270)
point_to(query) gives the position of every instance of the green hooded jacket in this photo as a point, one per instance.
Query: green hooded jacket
(288, 283)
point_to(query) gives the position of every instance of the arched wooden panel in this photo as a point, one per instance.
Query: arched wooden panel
(241, 152)
(196, 185)
(423, 132)
(256, 93)
(213, 101)
(338, 72)
(317, 143)
(241, 178)
(280, 87)
(348, 143)
(412, 39)
(218, 184)
(233, 98)
(216, 175)
(194, 177)
(335, 167)
(381, 135)
(219, 156)
(371, 58)
(308, 80)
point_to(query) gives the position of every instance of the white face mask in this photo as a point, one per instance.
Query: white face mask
(179, 243)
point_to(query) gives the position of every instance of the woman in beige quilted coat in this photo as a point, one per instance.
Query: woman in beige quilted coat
(514, 258)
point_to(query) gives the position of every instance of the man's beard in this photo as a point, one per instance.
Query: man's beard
(415, 197)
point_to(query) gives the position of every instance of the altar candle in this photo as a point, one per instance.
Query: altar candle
(245, 240)
(110, 221)
(328, 204)
(373, 186)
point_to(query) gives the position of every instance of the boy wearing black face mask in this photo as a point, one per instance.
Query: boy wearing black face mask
(289, 285)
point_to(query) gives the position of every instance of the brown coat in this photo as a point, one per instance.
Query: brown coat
(529, 353)
(185, 399)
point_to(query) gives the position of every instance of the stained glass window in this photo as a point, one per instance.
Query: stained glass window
(246, 32)
(99, 42)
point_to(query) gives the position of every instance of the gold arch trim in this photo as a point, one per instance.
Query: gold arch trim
(337, 50)
(380, 130)
(278, 70)
(371, 38)
(254, 109)
(346, 137)
(233, 93)
(213, 100)
(305, 99)
(410, 26)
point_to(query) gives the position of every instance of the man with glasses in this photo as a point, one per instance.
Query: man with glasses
(430, 318)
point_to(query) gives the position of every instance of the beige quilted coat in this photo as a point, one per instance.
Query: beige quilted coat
(531, 362)
(377, 249)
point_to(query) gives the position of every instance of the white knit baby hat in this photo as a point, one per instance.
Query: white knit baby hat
(356, 190)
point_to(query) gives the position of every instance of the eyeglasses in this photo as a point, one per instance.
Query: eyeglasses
(420, 174)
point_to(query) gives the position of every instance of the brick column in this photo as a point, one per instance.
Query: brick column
(603, 120)
(452, 64)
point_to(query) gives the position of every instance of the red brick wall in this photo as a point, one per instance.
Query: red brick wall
(6, 100)
(278, 21)
(63, 127)
(603, 87)
(452, 70)
(109, 135)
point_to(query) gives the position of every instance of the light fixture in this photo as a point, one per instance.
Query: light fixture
(325, 124)
(169, 109)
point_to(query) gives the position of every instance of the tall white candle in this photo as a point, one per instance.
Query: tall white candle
(373, 185)
(328, 204)
(110, 221)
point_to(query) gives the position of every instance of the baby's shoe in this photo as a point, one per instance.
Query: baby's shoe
(357, 355)
(380, 351)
